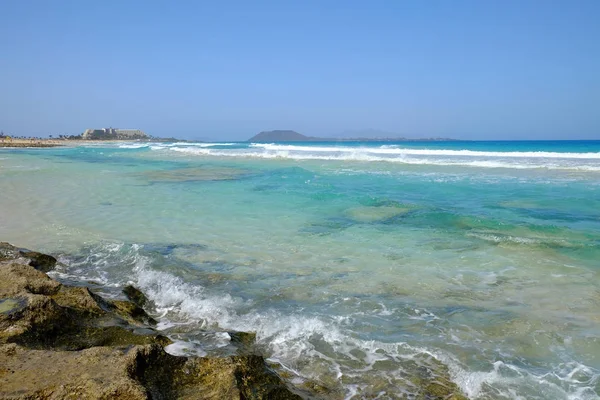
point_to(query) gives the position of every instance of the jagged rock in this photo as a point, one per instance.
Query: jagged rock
(64, 342)
(8, 252)
(33, 316)
(19, 278)
(39, 312)
(135, 295)
(236, 377)
(41, 262)
(244, 341)
(81, 299)
(84, 300)
(139, 372)
(255, 381)
(131, 312)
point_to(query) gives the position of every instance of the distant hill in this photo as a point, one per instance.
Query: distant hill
(280, 136)
(293, 136)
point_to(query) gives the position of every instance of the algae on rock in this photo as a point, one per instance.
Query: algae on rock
(63, 342)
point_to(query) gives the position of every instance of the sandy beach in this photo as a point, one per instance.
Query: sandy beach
(28, 143)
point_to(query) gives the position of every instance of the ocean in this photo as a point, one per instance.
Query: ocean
(358, 265)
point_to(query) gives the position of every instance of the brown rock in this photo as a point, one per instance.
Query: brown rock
(244, 341)
(140, 372)
(19, 278)
(40, 261)
(81, 299)
(135, 295)
(98, 373)
(131, 312)
(40, 313)
(63, 342)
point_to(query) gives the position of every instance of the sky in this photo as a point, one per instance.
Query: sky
(487, 70)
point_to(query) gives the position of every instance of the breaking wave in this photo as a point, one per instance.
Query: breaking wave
(314, 347)
(586, 162)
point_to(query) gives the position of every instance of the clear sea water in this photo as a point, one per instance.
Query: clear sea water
(351, 261)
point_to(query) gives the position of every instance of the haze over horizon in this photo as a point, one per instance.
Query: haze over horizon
(195, 70)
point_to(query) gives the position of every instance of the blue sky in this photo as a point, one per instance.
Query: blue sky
(227, 70)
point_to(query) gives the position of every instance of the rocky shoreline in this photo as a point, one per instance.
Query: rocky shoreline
(66, 342)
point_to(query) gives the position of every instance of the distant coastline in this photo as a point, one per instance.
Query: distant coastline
(28, 143)
(293, 136)
(74, 140)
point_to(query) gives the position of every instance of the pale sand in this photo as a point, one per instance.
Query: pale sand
(54, 142)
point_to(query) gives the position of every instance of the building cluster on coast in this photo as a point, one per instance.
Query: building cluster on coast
(88, 134)
(113, 133)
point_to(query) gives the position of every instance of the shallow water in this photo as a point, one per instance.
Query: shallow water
(355, 263)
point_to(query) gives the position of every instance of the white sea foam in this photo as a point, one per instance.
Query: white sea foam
(435, 152)
(133, 146)
(506, 381)
(295, 337)
(302, 341)
(470, 159)
(199, 144)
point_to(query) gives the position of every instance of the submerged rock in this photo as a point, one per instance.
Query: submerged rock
(368, 214)
(198, 174)
(432, 379)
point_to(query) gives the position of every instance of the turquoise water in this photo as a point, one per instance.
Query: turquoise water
(349, 260)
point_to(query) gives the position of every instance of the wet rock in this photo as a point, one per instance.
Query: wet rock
(245, 338)
(316, 387)
(40, 313)
(41, 262)
(8, 252)
(9, 305)
(36, 317)
(432, 379)
(81, 299)
(94, 336)
(139, 372)
(244, 341)
(238, 377)
(132, 312)
(135, 295)
(63, 342)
